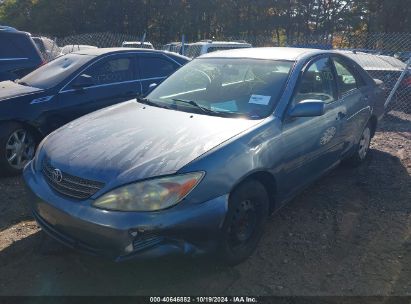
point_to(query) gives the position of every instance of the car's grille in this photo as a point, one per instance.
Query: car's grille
(69, 185)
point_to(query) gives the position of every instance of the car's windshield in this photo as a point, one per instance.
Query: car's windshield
(52, 73)
(225, 87)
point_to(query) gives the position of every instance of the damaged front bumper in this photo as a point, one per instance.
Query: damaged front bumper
(186, 229)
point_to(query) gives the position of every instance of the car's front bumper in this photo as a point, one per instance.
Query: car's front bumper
(186, 229)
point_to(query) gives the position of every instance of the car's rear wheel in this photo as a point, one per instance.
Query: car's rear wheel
(244, 223)
(17, 148)
(362, 147)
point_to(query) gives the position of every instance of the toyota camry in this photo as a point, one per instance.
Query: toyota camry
(200, 163)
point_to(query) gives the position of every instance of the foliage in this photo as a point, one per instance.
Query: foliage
(167, 20)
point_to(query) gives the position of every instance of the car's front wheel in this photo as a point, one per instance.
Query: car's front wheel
(244, 223)
(17, 147)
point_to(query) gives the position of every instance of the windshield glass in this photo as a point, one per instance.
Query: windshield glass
(225, 87)
(52, 73)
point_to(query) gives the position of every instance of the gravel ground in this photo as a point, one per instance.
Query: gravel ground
(348, 234)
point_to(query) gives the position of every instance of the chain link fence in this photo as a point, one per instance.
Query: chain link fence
(383, 56)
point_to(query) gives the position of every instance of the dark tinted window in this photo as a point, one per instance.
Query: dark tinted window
(317, 82)
(9, 47)
(111, 71)
(152, 67)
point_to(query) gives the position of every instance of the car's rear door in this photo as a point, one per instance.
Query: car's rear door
(154, 68)
(312, 145)
(115, 79)
(354, 94)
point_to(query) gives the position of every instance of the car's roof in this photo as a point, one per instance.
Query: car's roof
(137, 42)
(103, 51)
(210, 42)
(375, 62)
(12, 30)
(270, 53)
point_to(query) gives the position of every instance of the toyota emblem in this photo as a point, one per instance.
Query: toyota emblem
(57, 175)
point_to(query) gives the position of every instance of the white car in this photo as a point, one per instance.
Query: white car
(75, 47)
(137, 44)
(207, 46)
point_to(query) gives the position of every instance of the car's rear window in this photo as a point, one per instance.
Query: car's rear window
(367, 61)
(52, 73)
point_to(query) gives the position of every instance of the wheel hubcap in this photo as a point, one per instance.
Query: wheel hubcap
(364, 143)
(243, 223)
(19, 149)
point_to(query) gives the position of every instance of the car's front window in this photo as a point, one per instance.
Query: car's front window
(225, 87)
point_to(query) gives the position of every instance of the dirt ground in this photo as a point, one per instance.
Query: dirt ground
(348, 234)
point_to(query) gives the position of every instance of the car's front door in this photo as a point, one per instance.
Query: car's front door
(312, 144)
(112, 80)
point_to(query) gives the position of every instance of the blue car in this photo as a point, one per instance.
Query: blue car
(199, 164)
(69, 87)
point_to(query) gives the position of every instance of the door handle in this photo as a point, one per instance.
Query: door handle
(340, 115)
(365, 98)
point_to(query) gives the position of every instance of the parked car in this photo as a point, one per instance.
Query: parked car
(196, 49)
(137, 44)
(174, 47)
(388, 69)
(48, 48)
(403, 56)
(67, 49)
(18, 54)
(69, 87)
(198, 165)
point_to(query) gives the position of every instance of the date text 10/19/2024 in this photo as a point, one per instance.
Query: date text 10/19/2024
(203, 300)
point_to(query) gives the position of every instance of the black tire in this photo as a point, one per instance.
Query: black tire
(362, 148)
(248, 209)
(26, 147)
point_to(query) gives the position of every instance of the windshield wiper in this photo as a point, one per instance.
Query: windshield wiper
(151, 103)
(196, 105)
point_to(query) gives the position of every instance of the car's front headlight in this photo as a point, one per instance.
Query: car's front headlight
(150, 195)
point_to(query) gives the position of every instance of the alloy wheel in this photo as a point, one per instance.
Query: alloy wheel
(20, 148)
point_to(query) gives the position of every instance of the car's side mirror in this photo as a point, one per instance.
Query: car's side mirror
(308, 108)
(83, 81)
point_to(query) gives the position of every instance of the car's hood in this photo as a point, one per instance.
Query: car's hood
(10, 89)
(132, 141)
